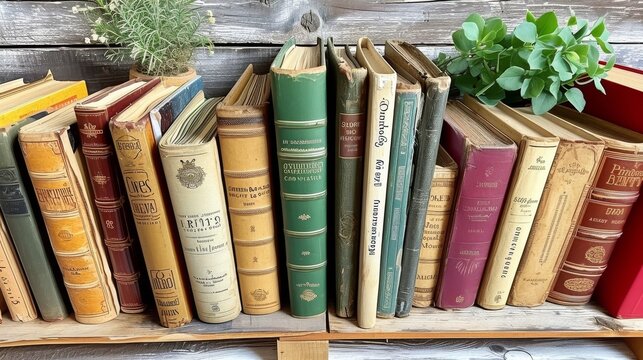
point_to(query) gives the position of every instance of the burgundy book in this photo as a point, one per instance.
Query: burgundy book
(486, 158)
(93, 116)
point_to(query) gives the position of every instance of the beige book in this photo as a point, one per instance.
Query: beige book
(436, 224)
(242, 119)
(381, 100)
(536, 151)
(569, 180)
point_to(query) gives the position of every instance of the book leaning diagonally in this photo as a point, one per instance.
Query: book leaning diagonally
(381, 104)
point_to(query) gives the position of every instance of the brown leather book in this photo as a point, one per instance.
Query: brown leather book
(119, 234)
(605, 210)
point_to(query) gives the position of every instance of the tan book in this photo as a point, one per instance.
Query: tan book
(436, 224)
(243, 122)
(56, 167)
(136, 149)
(569, 180)
(536, 151)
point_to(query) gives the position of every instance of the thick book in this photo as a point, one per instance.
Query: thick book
(51, 150)
(485, 157)
(408, 103)
(438, 215)
(536, 151)
(135, 142)
(298, 82)
(26, 226)
(382, 80)
(243, 119)
(569, 179)
(93, 115)
(605, 210)
(620, 289)
(435, 86)
(190, 161)
(350, 125)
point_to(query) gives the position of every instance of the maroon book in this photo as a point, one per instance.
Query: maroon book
(93, 116)
(486, 158)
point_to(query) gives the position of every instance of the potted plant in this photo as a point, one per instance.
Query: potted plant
(160, 36)
(539, 62)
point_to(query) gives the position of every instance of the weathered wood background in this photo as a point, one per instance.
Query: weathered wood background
(40, 35)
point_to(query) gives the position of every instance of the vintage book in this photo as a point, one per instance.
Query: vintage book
(620, 289)
(408, 104)
(243, 117)
(536, 151)
(13, 284)
(569, 180)
(51, 150)
(190, 161)
(26, 227)
(382, 80)
(11, 85)
(350, 124)
(135, 143)
(298, 82)
(436, 225)
(605, 210)
(485, 158)
(93, 115)
(435, 86)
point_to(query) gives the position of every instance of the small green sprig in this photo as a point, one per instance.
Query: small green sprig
(539, 61)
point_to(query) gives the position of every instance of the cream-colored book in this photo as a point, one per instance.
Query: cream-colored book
(381, 100)
(193, 174)
(536, 151)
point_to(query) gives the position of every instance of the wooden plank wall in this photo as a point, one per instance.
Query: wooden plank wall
(40, 35)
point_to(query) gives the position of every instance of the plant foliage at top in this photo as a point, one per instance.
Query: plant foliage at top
(540, 60)
(159, 35)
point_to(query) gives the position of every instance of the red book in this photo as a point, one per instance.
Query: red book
(486, 158)
(620, 290)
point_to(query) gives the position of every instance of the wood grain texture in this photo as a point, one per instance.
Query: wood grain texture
(295, 350)
(273, 22)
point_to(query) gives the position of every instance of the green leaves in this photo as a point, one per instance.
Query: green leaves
(575, 97)
(511, 79)
(526, 32)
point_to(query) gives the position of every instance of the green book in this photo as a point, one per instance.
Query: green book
(350, 123)
(298, 76)
(408, 98)
(26, 226)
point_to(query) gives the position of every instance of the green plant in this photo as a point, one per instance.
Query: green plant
(159, 35)
(540, 60)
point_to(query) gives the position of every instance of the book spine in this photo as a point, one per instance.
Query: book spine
(397, 194)
(570, 177)
(65, 207)
(196, 189)
(532, 168)
(246, 168)
(428, 135)
(435, 229)
(16, 196)
(115, 217)
(604, 214)
(139, 162)
(300, 129)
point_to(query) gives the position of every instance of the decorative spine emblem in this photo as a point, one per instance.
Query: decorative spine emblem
(190, 175)
(90, 131)
(215, 307)
(100, 179)
(259, 294)
(305, 253)
(308, 295)
(304, 217)
(459, 299)
(65, 234)
(578, 284)
(595, 254)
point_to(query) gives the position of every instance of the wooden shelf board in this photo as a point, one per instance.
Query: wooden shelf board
(136, 328)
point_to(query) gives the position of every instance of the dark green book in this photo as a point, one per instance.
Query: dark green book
(435, 86)
(408, 98)
(298, 80)
(26, 226)
(350, 123)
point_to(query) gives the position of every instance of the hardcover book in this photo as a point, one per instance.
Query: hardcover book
(298, 82)
(485, 157)
(536, 152)
(605, 210)
(243, 118)
(52, 155)
(350, 124)
(435, 86)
